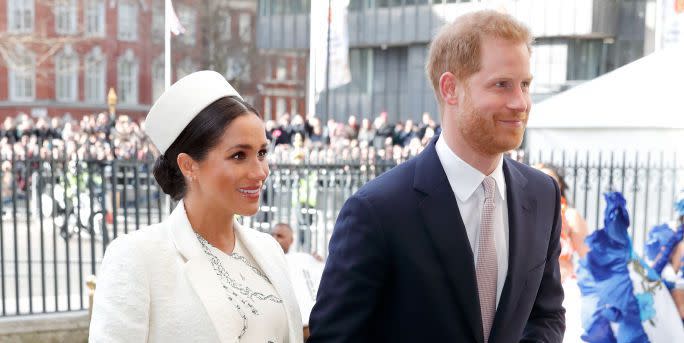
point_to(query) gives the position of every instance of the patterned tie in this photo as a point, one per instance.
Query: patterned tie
(486, 268)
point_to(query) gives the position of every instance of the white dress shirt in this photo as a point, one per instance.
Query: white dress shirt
(466, 183)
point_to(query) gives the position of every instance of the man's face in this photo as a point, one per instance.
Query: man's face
(494, 102)
(283, 235)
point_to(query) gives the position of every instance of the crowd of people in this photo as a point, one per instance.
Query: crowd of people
(294, 138)
(99, 136)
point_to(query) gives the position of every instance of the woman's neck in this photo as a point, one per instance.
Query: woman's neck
(212, 223)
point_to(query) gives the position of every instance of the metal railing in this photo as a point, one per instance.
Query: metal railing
(60, 215)
(649, 182)
(57, 218)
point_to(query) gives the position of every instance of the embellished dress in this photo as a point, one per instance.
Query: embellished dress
(624, 299)
(258, 313)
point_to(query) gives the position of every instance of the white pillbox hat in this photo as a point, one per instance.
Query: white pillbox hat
(179, 104)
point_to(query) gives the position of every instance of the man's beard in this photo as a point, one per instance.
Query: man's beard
(480, 131)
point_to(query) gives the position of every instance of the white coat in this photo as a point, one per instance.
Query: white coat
(156, 285)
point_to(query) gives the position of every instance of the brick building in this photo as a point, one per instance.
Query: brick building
(62, 57)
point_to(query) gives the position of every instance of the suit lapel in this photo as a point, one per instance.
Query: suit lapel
(445, 227)
(277, 275)
(521, 208)
(202, 276)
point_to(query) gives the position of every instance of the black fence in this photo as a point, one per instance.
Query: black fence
(58, 216)
(650, 183)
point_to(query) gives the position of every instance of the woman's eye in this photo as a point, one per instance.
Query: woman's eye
(238, 156)
(262, 153)
(501, 84)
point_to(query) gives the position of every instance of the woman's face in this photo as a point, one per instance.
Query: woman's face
(233, 173)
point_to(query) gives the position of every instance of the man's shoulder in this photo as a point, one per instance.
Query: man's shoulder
(394, 182)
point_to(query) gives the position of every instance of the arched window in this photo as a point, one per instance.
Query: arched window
(65, 16)
(66, 74)
(94, 13)
(127, 80)
(20, 16)
(95, 76)
(157, 77)
(128, 20)
(22, 75)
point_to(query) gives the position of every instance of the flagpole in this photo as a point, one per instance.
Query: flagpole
(327, 67)
(311, 90)
(167, 44)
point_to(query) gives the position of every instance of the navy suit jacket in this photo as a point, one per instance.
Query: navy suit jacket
(401, 268)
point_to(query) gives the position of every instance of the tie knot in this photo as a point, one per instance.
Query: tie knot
(489, 186)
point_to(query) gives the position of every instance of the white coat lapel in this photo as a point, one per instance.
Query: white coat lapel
(202, 276)
(276, 271)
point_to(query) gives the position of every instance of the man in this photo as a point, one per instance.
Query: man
(305, 271)
(283, 235)
(457, 244)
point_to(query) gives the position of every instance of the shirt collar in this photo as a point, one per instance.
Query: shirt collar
(464, 178)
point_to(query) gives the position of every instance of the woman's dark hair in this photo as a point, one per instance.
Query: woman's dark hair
(199, 136)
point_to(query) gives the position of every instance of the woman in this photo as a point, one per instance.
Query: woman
(199, 276)
(574, 227)
(573, 232)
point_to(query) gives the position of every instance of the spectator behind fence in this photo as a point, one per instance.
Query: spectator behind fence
(421, 253)
(170, 282)
(573, 233)
(305, 269)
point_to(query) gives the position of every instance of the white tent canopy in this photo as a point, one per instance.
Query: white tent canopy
(647, 93)
(639, 107)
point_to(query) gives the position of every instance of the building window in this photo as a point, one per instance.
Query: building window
(294, 70)
(548, 64)
(94, 13)
(268, 108)
(65, 16)
(20, 16)
(280, 106)
(22, 76)
(158, 21)
(128, 20)
(94, 78)
(158, 82)
(293, 106)
(361, 67)
(245, 26)
(226, 27)
(127, 81)
(246, 69)
(281, 69)
(237, 68)
(66, 75)
(269, 67)
(185, 67)
(279, 7)
(584, 58)
(187, 18)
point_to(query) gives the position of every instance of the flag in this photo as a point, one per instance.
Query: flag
(334, 17)
(174, 23)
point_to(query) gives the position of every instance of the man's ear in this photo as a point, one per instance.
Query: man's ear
(448, 88)
(187, 165)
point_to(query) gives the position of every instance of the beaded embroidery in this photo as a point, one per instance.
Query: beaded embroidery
(244, 294)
